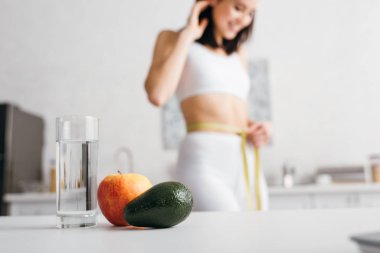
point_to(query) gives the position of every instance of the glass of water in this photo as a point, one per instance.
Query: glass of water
(77, 160)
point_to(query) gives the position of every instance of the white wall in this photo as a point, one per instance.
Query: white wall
(91, 57)
(324, 59)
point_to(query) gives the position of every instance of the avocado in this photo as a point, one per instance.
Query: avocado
(163, 205)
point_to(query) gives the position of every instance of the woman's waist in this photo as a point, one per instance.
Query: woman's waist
(221, 127)
(215, 122)
(215, 113)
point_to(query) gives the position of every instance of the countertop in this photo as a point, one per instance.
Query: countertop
(274, 231)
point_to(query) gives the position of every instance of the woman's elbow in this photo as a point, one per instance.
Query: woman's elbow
(156, 100)
(155, 97)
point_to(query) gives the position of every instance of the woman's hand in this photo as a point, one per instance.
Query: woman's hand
(259, 133)
(194, 27)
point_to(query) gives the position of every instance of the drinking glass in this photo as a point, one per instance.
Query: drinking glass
(76, 163)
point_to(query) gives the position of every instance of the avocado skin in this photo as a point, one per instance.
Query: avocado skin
(162, 206)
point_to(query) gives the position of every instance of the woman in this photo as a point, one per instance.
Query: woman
(206, 66)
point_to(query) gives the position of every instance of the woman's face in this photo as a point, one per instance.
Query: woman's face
(231, 16)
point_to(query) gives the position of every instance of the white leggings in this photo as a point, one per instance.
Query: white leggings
(211, 165)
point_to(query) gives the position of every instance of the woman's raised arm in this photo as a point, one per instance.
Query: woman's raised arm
(169, 57)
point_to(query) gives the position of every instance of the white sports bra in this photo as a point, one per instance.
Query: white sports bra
(207, 72)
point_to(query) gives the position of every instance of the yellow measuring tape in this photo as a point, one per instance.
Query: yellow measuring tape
(243, 133)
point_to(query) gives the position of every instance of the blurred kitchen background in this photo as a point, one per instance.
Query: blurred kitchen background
(91, 57)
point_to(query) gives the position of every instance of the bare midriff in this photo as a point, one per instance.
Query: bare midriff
(215, 108)
(218, 113)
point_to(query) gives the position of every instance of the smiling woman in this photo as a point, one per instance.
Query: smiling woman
(233, 28)
(205, 65)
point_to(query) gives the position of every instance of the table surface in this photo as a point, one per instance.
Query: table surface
(274, 231)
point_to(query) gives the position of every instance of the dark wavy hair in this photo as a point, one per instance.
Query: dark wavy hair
(229, 46)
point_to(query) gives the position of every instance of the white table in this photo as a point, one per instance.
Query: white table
(319, 231)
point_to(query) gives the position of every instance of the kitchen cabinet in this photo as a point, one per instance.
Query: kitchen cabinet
(35, 203)
(325, 197)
